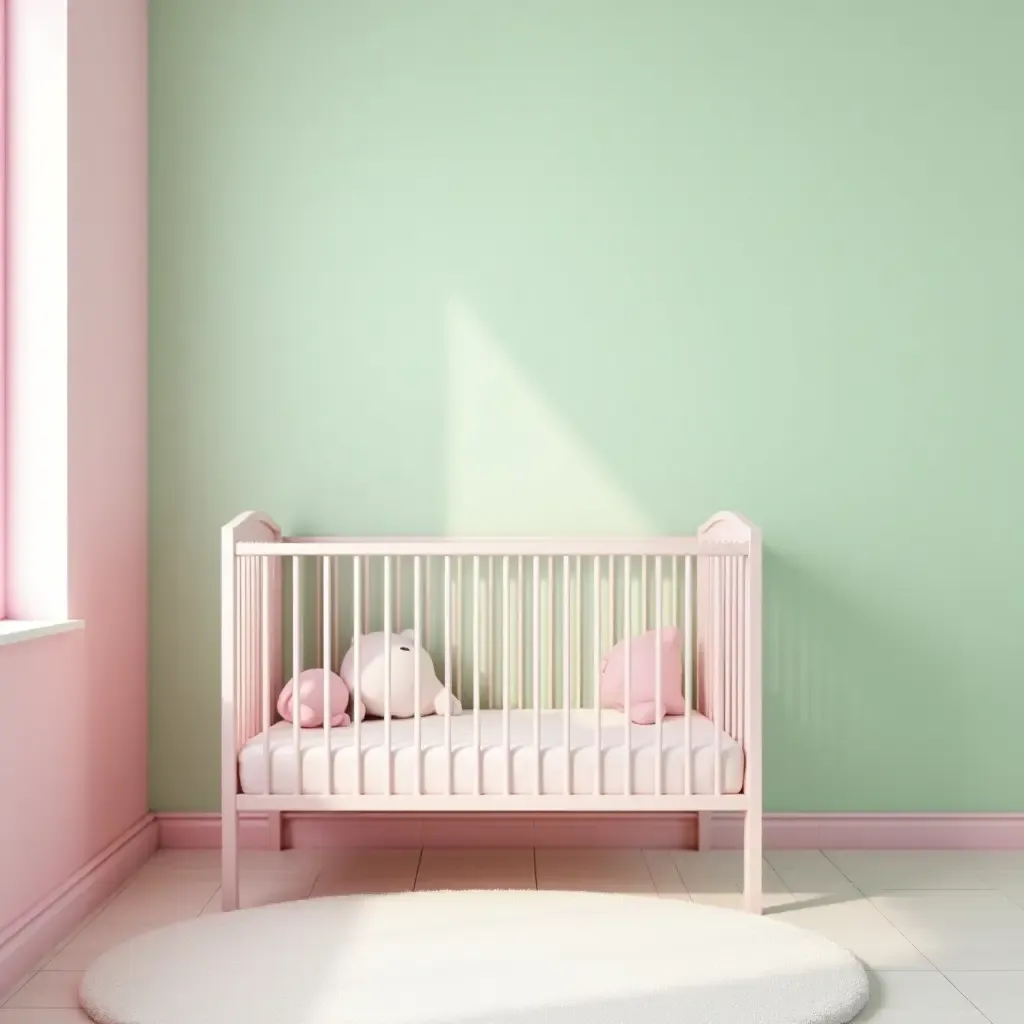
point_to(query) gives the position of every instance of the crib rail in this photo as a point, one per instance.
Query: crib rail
(516, 627)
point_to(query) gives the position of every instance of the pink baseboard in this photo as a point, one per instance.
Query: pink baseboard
(653, 831)
(879, 832)
(24, 942)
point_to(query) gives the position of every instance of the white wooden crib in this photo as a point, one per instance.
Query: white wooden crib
(517, 629)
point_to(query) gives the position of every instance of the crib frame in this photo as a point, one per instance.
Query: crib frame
(719, 610)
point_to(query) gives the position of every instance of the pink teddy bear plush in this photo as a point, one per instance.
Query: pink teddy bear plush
(643, 676)
(311, 699)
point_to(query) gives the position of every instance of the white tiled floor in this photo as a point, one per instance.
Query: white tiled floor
(941, 933)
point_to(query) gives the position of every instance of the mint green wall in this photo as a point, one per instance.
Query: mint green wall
(604, 266)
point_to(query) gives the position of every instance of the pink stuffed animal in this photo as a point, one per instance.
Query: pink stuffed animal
(642, 676)
(311, 699)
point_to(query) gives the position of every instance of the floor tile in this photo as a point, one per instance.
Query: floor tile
(859, 927)
(476, 869)
(206, 864)
(874, 871)
(667, 880)
(48, 989)
(999, 995)
(160, 902)
(592, 870)
(959, 949)
(921, 904)
(716, 877)
(262, 889)
(370, 871)
(809, 872)
(998, 860)
(94, 941)
(959, 930)
(927, 992)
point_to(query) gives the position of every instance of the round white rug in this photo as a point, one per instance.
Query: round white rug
(482, 957)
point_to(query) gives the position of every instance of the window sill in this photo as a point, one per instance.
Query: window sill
(14, 631)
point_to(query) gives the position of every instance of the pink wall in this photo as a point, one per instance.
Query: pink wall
(73, 723)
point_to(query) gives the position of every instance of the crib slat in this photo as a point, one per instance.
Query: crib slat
(366, 595)
(242, 686)
(236, 630)
(658, 695)
(505, 655)
(644, 622)
(520, 641)
(358, 620)
(336, 616)
(448, 671)
(490, 646)
(627, 631)
(476, 674)
(611, 601)
(741, 640)
(329, 770)
(426, 606)
(536, 676)
(733, 666)
(566, 676)
(387, 675)
(718, 667)
(318, 598)
(265, 666)
(247, 660)
(688, 673)
(723, 571)
(597, 675)
(398, 594)
(417, 681)
(296, 666)
(458, 629)
(578, 633)
(254, 696)
(252, 658)
(675, 592)
(737, 661)
(550, 703)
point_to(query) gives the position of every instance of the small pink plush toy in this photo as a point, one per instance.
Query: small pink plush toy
(311, 699)
(642, 676)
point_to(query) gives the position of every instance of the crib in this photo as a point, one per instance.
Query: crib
(517, 629)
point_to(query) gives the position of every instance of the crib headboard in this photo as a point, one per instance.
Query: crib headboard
(728, 649)
(253, 654)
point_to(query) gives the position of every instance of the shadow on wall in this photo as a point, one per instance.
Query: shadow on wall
(855, 691)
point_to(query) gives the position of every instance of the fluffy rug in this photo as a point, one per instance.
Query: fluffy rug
(477, 958)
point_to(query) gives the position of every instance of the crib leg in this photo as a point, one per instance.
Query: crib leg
(752, 862)
(703, 830)
(229, 859)
(274, 834)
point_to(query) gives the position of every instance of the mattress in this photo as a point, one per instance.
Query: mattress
(313, 761)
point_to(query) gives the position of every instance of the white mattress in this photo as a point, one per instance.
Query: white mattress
(492, 758)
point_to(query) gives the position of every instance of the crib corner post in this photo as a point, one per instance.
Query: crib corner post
(229, 720)
(753, 900)
(753, 824)
(229, 858)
